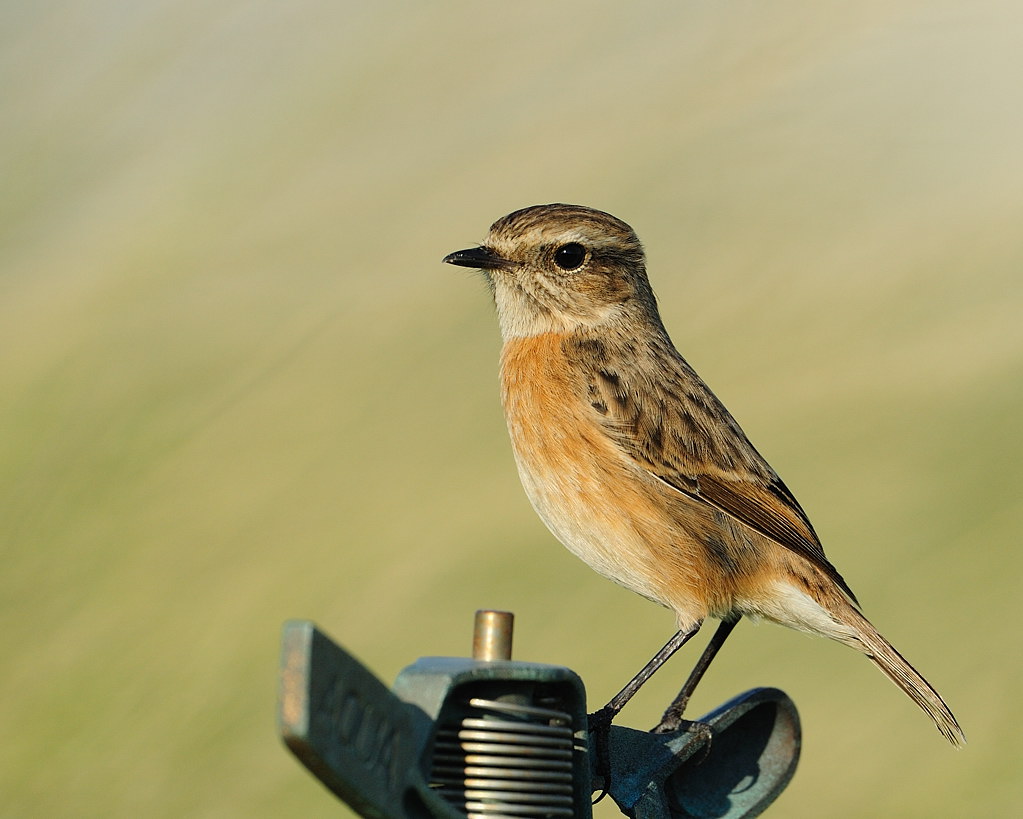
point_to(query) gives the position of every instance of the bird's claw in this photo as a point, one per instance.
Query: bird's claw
(669, 724)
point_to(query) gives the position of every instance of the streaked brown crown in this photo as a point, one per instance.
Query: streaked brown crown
(566, 266)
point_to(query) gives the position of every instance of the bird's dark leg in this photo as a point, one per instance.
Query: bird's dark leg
(672, 719)
(600, 720)
(618, 701)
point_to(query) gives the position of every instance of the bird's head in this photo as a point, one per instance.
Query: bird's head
(558, 268)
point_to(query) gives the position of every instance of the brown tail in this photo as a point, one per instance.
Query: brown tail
(900, 672)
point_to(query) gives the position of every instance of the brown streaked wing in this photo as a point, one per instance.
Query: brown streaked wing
(771, 511)
(713, 462)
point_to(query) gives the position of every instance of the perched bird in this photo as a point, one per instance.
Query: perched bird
(636, 466)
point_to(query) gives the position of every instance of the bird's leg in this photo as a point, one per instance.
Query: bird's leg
(600, 720)
(672, 719)
(618, 701)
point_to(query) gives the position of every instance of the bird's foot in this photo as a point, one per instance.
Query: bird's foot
(670, 723)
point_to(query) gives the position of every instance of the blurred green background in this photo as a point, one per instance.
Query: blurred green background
(238, 386)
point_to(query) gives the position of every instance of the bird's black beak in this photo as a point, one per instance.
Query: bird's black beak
(480, 257)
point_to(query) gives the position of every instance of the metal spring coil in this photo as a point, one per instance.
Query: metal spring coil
(510, 761)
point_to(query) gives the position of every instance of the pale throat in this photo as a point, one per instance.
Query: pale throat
(520, 316)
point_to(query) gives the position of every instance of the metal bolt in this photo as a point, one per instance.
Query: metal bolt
(492, 635)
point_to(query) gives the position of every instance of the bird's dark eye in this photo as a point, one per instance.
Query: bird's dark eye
(570, 256)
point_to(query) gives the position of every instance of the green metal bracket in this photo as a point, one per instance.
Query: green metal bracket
(435, 744)
(356, 737)
(739, 773)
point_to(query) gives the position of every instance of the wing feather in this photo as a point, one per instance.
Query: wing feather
(679, 431)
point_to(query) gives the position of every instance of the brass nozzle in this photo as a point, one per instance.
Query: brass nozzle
(492, 635)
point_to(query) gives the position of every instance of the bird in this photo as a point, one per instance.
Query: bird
(636, 466)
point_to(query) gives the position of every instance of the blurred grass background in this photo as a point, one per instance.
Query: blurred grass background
(237, 386)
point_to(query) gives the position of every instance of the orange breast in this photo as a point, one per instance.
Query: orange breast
(595, 499)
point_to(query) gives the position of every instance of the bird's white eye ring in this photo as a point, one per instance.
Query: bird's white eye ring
(570, 256)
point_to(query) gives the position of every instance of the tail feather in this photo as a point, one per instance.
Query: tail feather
(900, 672)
